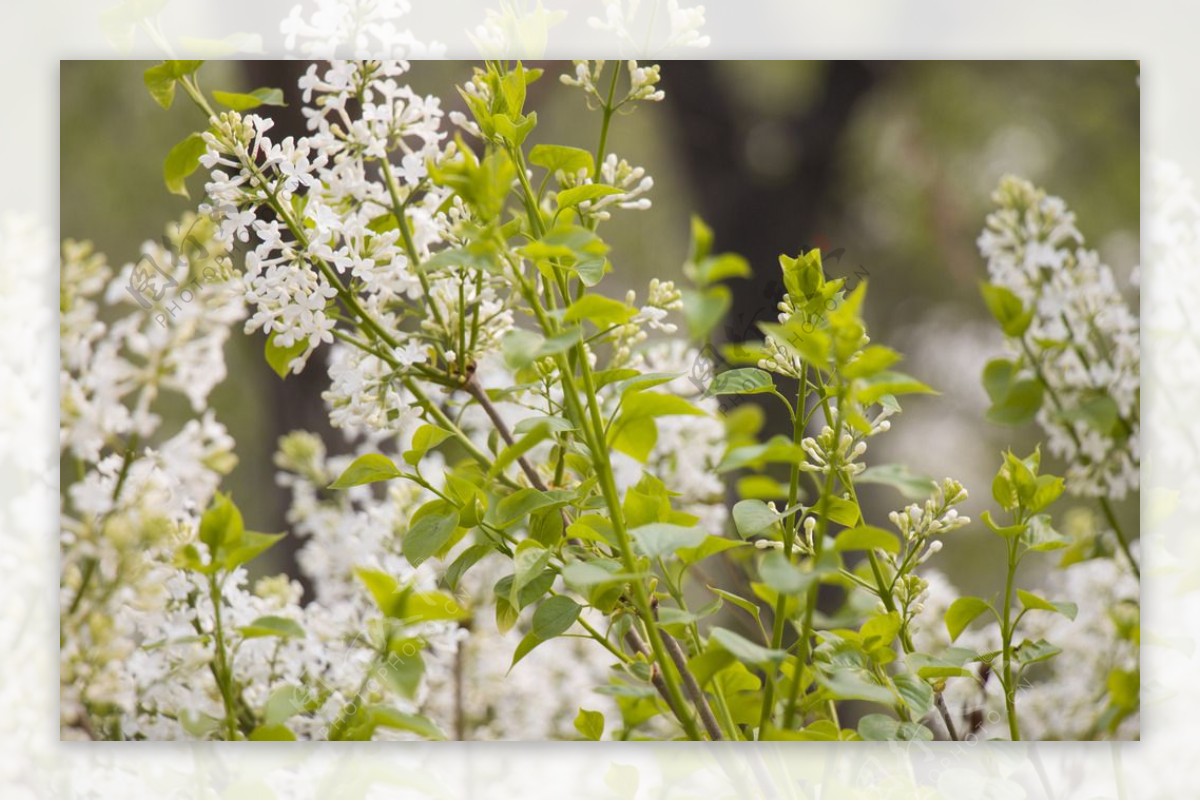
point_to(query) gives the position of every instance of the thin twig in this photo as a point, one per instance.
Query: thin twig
(635, 642)
(940, 703)
(477, 392)
(692, 687)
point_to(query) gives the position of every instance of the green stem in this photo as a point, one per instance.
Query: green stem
(224, 669)
(1105, 505)
(1006, 628)
(789, 541)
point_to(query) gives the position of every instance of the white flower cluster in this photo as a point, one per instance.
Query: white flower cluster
(1082, 341)
(643, 83)
(622, 20)
(355, 29)
(133, 504)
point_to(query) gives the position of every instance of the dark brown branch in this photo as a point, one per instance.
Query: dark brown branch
(693, 688)
(639, 647)
(477, 392)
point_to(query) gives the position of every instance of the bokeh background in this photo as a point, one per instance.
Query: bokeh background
(889, 163)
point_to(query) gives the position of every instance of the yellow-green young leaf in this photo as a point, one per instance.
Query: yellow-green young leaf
(1046, 491)
(182, 161)
(274, 732)
(1031, 601)
(220, 523)
(888, 382)
(840, 510)
(280, 358)
(869, 361)
(246, 547)
(866, 538)
(704, 309)
(560, 157)
(238, 101)
(432, 605)
(381, 586)
(590, 724)
(801, 339)
(1007, 308)
(426, 439)
(367, 469)
(272, 626)
(998, 375)
(962, 612)
(580, 194)
(601, 311)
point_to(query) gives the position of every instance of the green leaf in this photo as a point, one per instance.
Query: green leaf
(426, 438)
(160, 79)
(381, 586)
(276, 732)
(855, 685)
(782, 576)
(664, 539)
(601, 311)
(742, 381)
(263, 96)
(888, 382)
(1007, 308)
(1100, 414)
(220, 523)
(962, 612)
(811, 346)
(182, 161)
(554, 616)
(753, 517)
(1031, 601)
(842, 511)
(246, 548)
(583, 193)
(916, 692)
(590, 724)
(883, 728)
(869, 361)
(1029, 653)
(531, 559)
(390, 718)
(526, 501)
(272, 626)
(704, 309)
(428, 606)
(519, 448)
(367, 469)
(711, 546)
(746, 650)
(570, 160)
(1020, 403)
(736, 600)
(865, 538)
(286, 702)
(280, 358)
(427, 536)
(912, 486)
(998, 375)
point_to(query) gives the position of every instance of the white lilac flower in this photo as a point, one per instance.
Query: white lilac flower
(1082, 341)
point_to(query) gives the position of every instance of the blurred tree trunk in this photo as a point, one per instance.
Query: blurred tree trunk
(762, 218)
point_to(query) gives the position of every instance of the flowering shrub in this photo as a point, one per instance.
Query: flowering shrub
(524, 531)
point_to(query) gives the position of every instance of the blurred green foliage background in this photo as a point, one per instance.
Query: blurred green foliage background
(891, 162)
